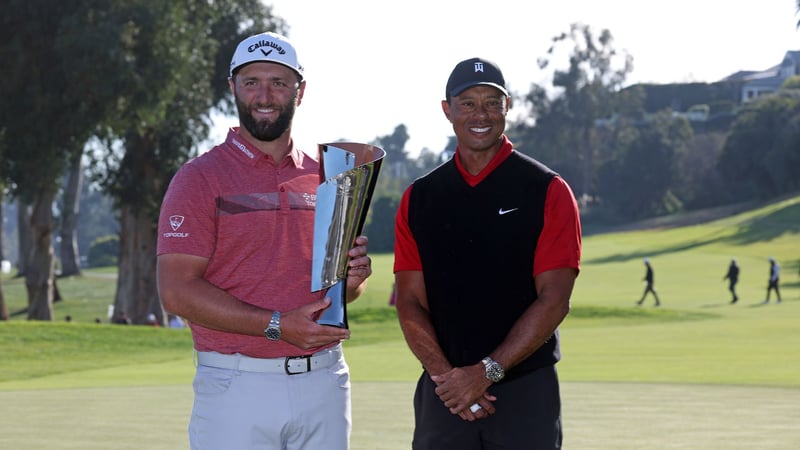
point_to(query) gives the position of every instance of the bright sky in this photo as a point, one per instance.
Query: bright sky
(372, 65)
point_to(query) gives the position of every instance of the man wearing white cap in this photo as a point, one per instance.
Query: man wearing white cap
(234, 260)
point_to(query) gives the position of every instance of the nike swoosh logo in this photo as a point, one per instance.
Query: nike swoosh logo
(266, 53)
(502, 211)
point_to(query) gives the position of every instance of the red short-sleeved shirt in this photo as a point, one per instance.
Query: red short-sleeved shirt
(253, 218)
(559, 244)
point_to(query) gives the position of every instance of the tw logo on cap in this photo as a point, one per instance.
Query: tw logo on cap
(474, 72)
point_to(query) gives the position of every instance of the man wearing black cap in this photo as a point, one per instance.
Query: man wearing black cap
(234, 259)
(486, 255)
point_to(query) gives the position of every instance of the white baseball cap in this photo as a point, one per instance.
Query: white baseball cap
(266, 47)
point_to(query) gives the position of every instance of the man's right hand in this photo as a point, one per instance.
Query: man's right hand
(299, 327)
(461, 387)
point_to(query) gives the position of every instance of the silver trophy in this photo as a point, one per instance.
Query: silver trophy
(348, 172)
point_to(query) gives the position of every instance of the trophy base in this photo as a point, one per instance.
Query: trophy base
(336, 314)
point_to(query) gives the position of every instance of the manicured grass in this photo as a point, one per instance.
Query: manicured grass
(85, 298)
(697, 372)
(35, 349)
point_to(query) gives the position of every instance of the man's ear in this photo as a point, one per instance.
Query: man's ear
(301, 89)
(446, 110)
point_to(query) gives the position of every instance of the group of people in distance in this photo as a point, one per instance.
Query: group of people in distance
(772, 282)
(732, 276)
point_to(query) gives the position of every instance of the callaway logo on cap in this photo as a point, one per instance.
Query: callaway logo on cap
(266, 47)
(473, 72)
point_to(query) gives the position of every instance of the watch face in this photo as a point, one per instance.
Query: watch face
(494, 372)
(273, 334)
(273, 330)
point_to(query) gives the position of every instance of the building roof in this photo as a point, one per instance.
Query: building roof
(793, 56)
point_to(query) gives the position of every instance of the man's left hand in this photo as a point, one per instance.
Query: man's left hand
(359, 268)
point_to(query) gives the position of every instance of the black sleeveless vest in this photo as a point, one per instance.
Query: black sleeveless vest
(477, 245)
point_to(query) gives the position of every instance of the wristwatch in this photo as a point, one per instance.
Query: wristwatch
(494, 371)
(273, 330)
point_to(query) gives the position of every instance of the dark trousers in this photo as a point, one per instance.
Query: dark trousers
(528, 417)
(773, 285)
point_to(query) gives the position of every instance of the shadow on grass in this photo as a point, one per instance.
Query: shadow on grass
(768, 227)
(624, 257)
(637, 314)
(718, 305)
(764, 228)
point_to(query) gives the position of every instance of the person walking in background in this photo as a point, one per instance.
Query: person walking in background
(774, 279)
(234, 251)
(487, 252)
(733, 277)
(650, 280)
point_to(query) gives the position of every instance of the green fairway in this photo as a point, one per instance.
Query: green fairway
(696, 373)
(596, 416)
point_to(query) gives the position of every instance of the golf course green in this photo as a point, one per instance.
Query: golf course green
(695, 373)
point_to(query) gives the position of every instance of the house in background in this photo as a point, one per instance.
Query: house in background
(712, 106)
(755, 84)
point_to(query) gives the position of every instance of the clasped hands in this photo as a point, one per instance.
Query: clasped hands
(461, 388)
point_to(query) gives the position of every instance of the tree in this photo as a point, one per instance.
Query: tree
(53, 100)
(428, 160)
(24, 238)
(3, 308)
(760, 157)
(396, 169)
(397, 172)
(564, 133)
(70, 255)
(380, 228)
(638, 181)
(798, 12)
(176, 56)
(792, 82)
(99, 219)
(135, 71)
(699, 183)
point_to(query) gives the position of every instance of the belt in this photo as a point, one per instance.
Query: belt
(290, 365)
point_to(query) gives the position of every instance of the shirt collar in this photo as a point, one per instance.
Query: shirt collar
(251, 154)
(505, 151)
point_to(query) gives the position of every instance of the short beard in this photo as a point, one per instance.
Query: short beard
(265, 130)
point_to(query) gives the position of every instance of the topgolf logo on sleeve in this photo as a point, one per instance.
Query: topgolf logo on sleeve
(175, 222)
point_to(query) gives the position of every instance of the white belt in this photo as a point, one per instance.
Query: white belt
(290, 365)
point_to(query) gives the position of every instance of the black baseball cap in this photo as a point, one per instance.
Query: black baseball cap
(473, 72)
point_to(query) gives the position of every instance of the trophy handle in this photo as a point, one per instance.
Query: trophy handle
(335, 315)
